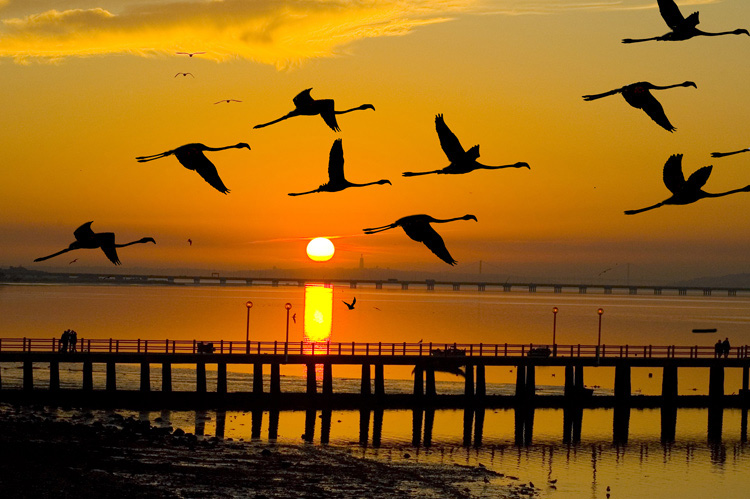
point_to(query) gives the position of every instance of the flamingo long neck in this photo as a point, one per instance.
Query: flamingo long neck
(657, 87)
(637, 40)
(352, 184)
(720, 194)
(349, 110)
(290, 114)
(440, 221)
(706, 33)
(236, 146)
(143, 159)
(480, 166)
(131, 243)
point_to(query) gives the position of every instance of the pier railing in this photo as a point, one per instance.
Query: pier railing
(442, 350)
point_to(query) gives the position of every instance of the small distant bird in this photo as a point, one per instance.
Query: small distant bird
(88, 239)
(418, 228)
(683, 28)
(461, 161)
(305, 105)
(190, 242)
(73, 261)
(638, 96)
(685, 191)
(350, 305)
(189, 54)
(336, 180)
(722, 154)
(227, 101)
(184, 74)
(294, 318)
(191, 157)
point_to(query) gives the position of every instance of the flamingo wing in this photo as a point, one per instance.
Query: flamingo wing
(699, 178)
(424, 233)
(448, 140)
(643, 99)
(328, 114)
(672, 175)
(106, 242)
(303, 99)
(84, 232)
(671, 13)
(193, 158)
(336, 163)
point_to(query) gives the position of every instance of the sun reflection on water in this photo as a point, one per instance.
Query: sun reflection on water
(318, 321)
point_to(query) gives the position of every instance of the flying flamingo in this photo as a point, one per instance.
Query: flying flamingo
(682, 28)
(419, 229)
(73, 261)
(184, 74)
(685, 191)
(189, 54)
(350, 305)
(336, 180)
(87, 238)
(304, 105)
(227, 101)
(722, 154)
(191, 157)
(638, 96)
(461, 161)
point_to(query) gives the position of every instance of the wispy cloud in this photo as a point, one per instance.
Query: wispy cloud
(277, 32)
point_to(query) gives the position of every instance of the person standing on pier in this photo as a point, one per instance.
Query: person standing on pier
(73, 340)
(64, 341)
(725, 347)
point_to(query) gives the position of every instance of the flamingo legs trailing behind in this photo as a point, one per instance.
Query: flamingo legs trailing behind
(191, 157)
(685, 191)
(87, 238)
(336, 180)
(419, 229)
(461, 161)
(305, 105)
(638, 96)
(683, 28)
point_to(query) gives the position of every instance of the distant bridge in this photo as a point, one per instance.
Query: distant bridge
(404, 284)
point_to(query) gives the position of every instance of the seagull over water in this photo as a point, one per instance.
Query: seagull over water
(184, 74)
(419, 229)
(191, 157)
(461, 161)
(685, 191)
(226, 101)
(639, 96)
(350, 305)
(683, 28)
(189, 54)
(88, 239)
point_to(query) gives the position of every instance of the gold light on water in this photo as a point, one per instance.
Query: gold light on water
(318, 320)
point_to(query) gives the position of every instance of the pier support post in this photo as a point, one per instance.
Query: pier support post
(221, 378)
(669, 385)
(54, 376)
(530, 387)
(275, 379)
(88, 376)
(579, 385)
(111, 377)
(430, 390)
(570, 383)
(418, 381)
(312, 386)
(469, 381)
(28, 375)
(481, 383)
(145, 377)
(379, 381)
(520, 381)
(745, 381)
(716, 382)
(258, 378)
(327, 380)
(166, 377)
(622, 383)
(200, 377)
(365, 386)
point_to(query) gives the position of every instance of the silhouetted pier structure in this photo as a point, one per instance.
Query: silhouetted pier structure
(425, 358)
(429, 284)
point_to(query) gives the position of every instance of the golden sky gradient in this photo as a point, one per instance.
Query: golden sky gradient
(88, 85)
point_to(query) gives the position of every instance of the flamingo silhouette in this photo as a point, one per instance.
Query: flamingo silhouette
(87, 238)
(184, 74)
(304, 105)
(189, 54)
(685, 191)
(722, 154)
(419, 229)
(191, 157)
(638, 96)
(461, 161)
(350, 305)
(336, 180)
(227, 101)
(682, 28)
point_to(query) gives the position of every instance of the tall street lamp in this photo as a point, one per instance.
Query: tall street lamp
(554, 331)
(249, 305)
(599, 339)
(288, 307)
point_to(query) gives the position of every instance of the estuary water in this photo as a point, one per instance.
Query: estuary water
(690, 462)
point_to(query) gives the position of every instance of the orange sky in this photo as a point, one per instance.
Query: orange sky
(90, 85)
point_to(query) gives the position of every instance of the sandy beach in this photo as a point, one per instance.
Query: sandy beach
(107, 455)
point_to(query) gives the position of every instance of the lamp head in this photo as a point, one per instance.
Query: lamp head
(288, 306)
(249, 304)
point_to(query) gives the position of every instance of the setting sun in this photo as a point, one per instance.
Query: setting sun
(320, 249)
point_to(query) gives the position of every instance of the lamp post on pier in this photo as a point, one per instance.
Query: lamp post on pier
(554, 331)
(599, 339)
(249, 305)
(288, 307)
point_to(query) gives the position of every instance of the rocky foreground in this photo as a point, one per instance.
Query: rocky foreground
(112, 456)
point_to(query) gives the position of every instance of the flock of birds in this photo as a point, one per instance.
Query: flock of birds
(418, 227)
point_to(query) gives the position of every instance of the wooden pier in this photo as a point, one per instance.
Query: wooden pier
(474, 360)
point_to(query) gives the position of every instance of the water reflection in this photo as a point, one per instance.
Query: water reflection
(318, 321)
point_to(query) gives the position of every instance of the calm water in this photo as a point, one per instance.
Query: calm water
(639, 466)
